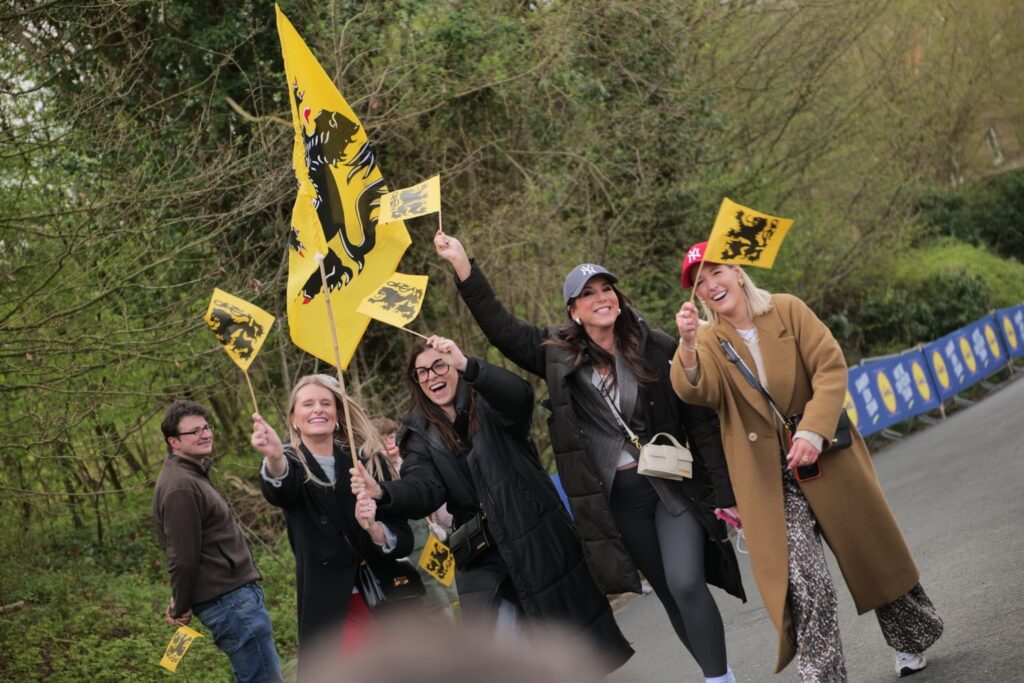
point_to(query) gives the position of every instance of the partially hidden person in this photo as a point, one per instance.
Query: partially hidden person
(439, 598)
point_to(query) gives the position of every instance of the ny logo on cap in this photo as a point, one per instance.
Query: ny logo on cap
(588, 269)
(693, 254)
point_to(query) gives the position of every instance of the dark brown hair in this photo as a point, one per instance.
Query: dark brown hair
(175, 412)
(433, 412)
(574, 338)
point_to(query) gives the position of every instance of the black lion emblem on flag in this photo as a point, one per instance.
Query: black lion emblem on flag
(398, 298)
(330, 144)
(749, 238)
(235, 328)
(408, 202)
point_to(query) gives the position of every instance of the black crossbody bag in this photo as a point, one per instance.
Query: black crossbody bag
(469, 541)
(842, 439)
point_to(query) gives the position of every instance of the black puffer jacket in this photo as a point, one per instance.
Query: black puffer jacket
(319, 518)
(657, 409)
(534, 539)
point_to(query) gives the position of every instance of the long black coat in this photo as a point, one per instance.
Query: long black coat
(534, 538)
(656, 409)
(316, 517)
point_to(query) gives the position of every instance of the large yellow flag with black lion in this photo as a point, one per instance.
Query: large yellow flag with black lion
(336, 211)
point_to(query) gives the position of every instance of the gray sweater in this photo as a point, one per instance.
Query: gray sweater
(207, 555)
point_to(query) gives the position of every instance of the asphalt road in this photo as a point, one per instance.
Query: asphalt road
(956, 489)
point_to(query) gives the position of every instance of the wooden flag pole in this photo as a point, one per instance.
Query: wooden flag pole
(337, 359)
(700, 266)
(440, 224)
(251, 392)
(406, 329)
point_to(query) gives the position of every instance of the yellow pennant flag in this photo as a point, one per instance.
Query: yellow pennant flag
(745, 236)
(336, 211)
(238, 325)
(438, 561)
(398, 301)
(418, 200)
(176, 649)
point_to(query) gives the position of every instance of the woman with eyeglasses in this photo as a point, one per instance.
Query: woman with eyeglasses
(329, 531)
(606, 368)
(466, 442)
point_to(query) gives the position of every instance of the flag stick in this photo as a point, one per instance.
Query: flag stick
(693, 294)
(251, 392)
(440, 224)
(406, 329)
(337, 358)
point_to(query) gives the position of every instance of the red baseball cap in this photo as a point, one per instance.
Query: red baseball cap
(694, 255)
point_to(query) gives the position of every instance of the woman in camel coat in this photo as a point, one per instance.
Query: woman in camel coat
(800, 364)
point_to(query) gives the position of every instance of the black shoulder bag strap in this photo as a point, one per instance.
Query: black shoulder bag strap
(732, 355)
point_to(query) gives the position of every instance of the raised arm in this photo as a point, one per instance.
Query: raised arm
(280, 479)
(517, 340)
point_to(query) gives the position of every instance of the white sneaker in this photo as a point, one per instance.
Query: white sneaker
(908, 663)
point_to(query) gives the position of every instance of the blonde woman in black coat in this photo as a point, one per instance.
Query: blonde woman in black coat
(329, 533)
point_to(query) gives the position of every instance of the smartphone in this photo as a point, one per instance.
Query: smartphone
(727, 518)
(808, 472)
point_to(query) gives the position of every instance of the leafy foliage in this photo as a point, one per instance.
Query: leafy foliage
(146, 159)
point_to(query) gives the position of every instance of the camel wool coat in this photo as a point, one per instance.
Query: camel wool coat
(806, 373)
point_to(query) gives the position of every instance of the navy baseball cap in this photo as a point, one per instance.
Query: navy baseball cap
(578, 277)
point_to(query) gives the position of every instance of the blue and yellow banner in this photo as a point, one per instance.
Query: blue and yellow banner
(883, 392)
(1010, 324)
(965, 357)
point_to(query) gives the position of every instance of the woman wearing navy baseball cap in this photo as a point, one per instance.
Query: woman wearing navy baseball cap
(607, 370)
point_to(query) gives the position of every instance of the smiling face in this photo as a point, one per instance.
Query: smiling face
(194, 439)
(439, 387)
(597, 305)
(719, 289)
(316, 411)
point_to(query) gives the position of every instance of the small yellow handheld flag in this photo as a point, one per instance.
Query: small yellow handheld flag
(176, 649)
(238, 325)
(438, 561)
(418, 200)
(745, 236)
(398, 301)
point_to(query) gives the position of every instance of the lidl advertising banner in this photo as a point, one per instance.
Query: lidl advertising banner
(965, 357)
(883, 392)
(1010, 324)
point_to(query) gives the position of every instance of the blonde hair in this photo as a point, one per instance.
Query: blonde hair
(759, 301)
(367, 438)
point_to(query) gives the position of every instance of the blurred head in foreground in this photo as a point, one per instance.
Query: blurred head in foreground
(435, 652)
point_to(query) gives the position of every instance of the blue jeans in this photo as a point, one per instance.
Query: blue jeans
(242, 630)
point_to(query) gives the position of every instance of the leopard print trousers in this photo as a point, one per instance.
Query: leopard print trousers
(909, 624)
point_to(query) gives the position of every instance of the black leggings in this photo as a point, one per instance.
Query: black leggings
(670, 553)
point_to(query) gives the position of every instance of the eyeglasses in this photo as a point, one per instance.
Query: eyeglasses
(439, 367)
(197, 431)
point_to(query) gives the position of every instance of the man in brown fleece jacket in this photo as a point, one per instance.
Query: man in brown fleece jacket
(212, 571)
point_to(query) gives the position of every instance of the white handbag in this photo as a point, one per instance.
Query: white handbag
(668, 461)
